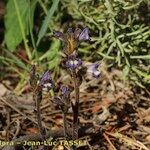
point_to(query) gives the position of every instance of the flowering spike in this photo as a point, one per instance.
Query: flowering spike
(72, 39)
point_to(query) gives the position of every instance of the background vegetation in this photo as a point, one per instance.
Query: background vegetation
(120, 36)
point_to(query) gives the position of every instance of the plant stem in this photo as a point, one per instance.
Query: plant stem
(65, 125)
(38, 97)
(75, 107)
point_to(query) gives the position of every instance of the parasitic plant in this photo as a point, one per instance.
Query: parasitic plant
(39, 85)
(74, 65)
(63, 102)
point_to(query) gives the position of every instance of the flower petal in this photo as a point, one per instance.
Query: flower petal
(96, 74)
(46, 83)
(73, 63)
(65, 90)
(84, 35)
(93, 69)
(45, 77)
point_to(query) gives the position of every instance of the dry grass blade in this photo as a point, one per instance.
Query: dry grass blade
(110, 143)
(128, 141)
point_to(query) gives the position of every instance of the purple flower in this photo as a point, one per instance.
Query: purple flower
(72, 39)
(84, 35)
(46, 81)
(73, 63)
(65, 90)
(65, 96)
(93, 69)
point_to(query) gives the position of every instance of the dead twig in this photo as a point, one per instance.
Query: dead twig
(21, 113)
(128, 141)
(110, 143)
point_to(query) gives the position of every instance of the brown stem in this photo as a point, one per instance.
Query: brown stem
(38, 98)
(65, 125)
(75, 107)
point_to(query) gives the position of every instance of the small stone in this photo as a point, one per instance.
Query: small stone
(3, 133)
(3, 90)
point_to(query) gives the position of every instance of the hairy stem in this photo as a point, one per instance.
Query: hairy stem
(38, 97)
(65, 125)
(75, 107)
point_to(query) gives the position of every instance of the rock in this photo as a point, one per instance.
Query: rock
(3, 90)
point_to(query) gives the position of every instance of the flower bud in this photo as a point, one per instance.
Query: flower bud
(65, 91)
